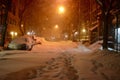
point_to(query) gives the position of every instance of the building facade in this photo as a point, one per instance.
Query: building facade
(13, 20)
(95, 28)
(93, 18)
(90, 21)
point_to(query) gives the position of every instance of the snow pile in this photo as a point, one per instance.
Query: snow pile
(99, 65)
(95, 46)
(80, 49)
(40, 39)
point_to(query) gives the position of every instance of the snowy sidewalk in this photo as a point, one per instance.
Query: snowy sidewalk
(58, 68)
(99, 65)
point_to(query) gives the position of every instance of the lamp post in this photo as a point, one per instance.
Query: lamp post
(56, 31)
(60, 11)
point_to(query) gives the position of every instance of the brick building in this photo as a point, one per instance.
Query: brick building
(92, 13)
(90, 20)
(13, 18)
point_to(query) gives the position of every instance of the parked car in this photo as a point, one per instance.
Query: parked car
(22, 43)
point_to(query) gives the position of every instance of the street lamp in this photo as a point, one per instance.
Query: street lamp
(22, 25)
(84, 30)
(16, 33)
(61, 10)
(56, 26)
(12, 34)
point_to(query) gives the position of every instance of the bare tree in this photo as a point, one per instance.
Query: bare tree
(106, 7)
(24, 4)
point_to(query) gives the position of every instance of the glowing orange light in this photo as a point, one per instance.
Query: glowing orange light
(61, 9)
(56, 26)
(83, 30)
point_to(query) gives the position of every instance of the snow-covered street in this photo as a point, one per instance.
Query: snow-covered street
(63, 60)
(59, 39)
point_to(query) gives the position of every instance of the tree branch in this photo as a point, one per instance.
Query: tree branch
(100, 3)
(110, 7)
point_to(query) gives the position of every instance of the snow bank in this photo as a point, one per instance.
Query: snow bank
(95, 46)
(40, 39)
(80, 49)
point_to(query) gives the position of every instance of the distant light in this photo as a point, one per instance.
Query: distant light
(76, 33)
(61, 9)
(56, 26)
(31, 33)
(11, 32)
(22, 25)
(28, 33)
(66, 36)
(16, 33)
(83, 30)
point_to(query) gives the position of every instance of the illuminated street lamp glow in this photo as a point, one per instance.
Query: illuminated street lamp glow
(12, 33)
(15, 33)
(76, 33)
(56, 26)
(61, 9)
(28, 33)
(66, 36)
(83, 30)
(21, 25)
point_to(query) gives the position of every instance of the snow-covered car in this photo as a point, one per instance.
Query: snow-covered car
(22, 43)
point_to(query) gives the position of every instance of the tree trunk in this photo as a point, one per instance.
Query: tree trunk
(105, 31)
(4, 24)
